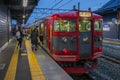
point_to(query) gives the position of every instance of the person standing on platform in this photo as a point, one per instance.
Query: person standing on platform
(19, 37)
(41, 36)
(24, 32)
(28, 33)
(34, 39)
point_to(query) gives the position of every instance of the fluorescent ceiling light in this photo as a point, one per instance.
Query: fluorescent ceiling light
(25, 2)
(23, 16)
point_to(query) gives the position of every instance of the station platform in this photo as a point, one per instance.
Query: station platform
(24, 64)
(111, 48)
(111, 41)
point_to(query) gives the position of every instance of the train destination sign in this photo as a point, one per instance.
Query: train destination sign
(85, 14)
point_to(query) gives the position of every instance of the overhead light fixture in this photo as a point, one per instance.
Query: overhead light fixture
(25, 2)
(23, 16)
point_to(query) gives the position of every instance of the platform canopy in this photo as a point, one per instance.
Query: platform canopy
(21, 9)
(109, 7)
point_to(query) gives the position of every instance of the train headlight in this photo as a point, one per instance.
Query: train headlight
(64, 39)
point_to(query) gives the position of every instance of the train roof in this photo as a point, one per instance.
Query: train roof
(73, 14)
(66, 14)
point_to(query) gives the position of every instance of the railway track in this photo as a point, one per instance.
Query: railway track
(104, 71)
(81, 77)
(108, 69)
(111, 59)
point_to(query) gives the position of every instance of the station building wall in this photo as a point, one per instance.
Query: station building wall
(110, 26)
(5, 26)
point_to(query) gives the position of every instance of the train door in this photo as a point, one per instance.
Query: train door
(85, 38)
(42, 32)
(49, 34)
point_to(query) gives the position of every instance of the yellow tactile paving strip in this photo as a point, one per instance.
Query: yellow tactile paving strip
(11, 72)
(35, 69)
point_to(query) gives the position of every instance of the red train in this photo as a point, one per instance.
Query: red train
(74, 39)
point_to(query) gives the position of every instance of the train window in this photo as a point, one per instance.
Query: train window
(64, 26)
(98, 26)
(84, 25)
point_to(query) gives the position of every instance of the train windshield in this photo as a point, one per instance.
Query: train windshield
(84, 25)
(98, 26)
(64, 26)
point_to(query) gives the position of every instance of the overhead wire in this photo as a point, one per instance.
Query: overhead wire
(59, 3)
(52, 3)
(64, 4)
(56, 3)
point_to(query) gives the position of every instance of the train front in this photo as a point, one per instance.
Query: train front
(76, 41)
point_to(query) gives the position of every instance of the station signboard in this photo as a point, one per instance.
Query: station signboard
(106, 27)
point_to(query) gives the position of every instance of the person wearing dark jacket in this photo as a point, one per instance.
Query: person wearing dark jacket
(34, 40)
(19, 37)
